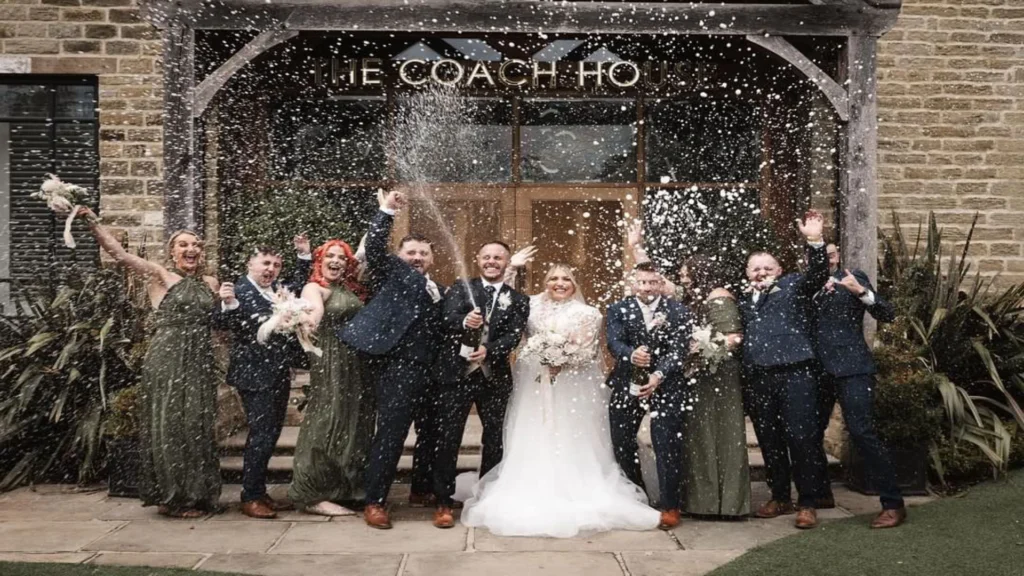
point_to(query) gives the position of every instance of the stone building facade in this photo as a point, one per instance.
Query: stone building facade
(950, 88)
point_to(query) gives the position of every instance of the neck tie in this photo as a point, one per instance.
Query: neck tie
(489, 304)
(435, 295)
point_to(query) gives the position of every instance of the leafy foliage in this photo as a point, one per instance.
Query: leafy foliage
(274, 217)
(64, 358)
(968, 341)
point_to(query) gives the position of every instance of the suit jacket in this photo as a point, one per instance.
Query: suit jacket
(503, 333)
(254, 366)
(777, 328)
(839, 327)
(401, 320)
(669, 344)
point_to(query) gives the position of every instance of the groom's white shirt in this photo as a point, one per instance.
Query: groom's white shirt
(648, 310)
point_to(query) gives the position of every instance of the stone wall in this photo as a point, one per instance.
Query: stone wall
(951, 134)
(105, 38)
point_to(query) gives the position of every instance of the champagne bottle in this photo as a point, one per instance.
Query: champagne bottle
(638, 379)
(470, 342)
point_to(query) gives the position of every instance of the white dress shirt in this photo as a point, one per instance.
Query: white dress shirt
(648, 310)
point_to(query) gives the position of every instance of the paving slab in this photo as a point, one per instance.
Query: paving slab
(127, 509)
(352, 535)
(53, 505)
(156, 560)
(40, 536)
(513, 564)
(678, 563)
(304, 564)
(61, 558)
(613, 541)
(734, 535)
(172, 535)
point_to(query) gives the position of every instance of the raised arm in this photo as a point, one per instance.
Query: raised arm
(313, 294)
(456, 306)
(297, 280)
(817, 258)
(113, 247)
(859, 285)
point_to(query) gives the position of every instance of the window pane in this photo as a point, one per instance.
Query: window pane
(579, 140)
(703, 140)
(22, 100)
(484, 150)
(76, 102)
(329, 140)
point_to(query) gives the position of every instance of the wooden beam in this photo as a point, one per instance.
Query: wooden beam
(859, 185)
(535, 16)
(215, 81)
(180, 206)
(829, 87)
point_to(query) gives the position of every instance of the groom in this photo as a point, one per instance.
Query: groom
(482, 376)
(649, 336)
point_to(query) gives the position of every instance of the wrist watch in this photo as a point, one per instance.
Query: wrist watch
(659, 374)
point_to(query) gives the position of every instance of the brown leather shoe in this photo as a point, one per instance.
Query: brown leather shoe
(443, 517)
(422, 500)
(276, 505)
(806, 518)
(890, 518)
(376, 517)
(669, 519)
(258, 509)
(774, 509)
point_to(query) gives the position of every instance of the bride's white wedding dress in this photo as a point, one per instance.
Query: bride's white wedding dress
(558, 476)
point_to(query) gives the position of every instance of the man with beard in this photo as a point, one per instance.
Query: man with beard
(780, 367)
(476, 372)
(401, 326)
(261, 373)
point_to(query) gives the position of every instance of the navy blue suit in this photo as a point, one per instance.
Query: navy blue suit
(261, 373)
(782, 391)
(848, 370)
(490, 391)
(401, 325)
(668, 345)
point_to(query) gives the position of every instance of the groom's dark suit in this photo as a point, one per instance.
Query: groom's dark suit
(668, 345)
(261, 373)
(779, 365)
(402, 326)
(487, 386)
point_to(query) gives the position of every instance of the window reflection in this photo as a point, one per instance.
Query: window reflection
(578, 140)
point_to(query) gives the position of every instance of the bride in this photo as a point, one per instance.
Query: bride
(558, 476)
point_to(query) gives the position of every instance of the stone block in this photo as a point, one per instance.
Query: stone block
(74, 65)
(31, 46)
(121, 186)
(366, 564)
(64, 31)
(678, 563)
(107, 3)
(81, 46)
(124, 16)
(614, 541)
(61, 2)
(168, 535)
(81, 15)
(122, 48)
(158, 560)
(145, 135)
(520, 564)
(135, 66)
(44, 13)
(37, 536)
(15, 64)
(140, 32)
(150, 168)
(102, 31)
(31, 30)
(13, 12)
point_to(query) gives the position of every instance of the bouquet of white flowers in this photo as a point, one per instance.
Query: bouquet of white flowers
(291, 316)
(710, 347)
(553, 350)
(62, 198)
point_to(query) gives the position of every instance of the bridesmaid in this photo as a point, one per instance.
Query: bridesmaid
(178, 390)
(717, 475)
(338, 422)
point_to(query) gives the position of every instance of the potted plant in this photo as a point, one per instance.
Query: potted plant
(121, 432)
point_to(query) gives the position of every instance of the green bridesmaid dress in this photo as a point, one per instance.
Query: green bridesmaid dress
(178, 408)
(717, 474)
(337, 425)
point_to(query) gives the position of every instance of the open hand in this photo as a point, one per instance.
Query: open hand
(641, 357)
(811, 226)
(523, 257)
(301, 243)
(850, 283)
(635, 234)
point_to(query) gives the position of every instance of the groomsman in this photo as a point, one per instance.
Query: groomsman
(261, 373)
(649, 336)
(782, 386)
(849, 371)
(482, 375)
(401, 326)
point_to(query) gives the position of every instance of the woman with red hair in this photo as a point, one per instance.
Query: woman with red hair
(330, 457)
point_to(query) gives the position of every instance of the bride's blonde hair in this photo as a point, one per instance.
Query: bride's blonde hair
(568, 270)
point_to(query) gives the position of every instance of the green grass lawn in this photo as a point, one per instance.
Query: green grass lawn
(980, 533)
(47, 569)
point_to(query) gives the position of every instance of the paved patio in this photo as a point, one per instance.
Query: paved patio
(55, 523)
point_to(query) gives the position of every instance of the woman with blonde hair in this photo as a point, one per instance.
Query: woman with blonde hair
(178, 390)
(558, 476)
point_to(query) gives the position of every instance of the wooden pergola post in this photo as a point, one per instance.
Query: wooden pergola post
(181, 204)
